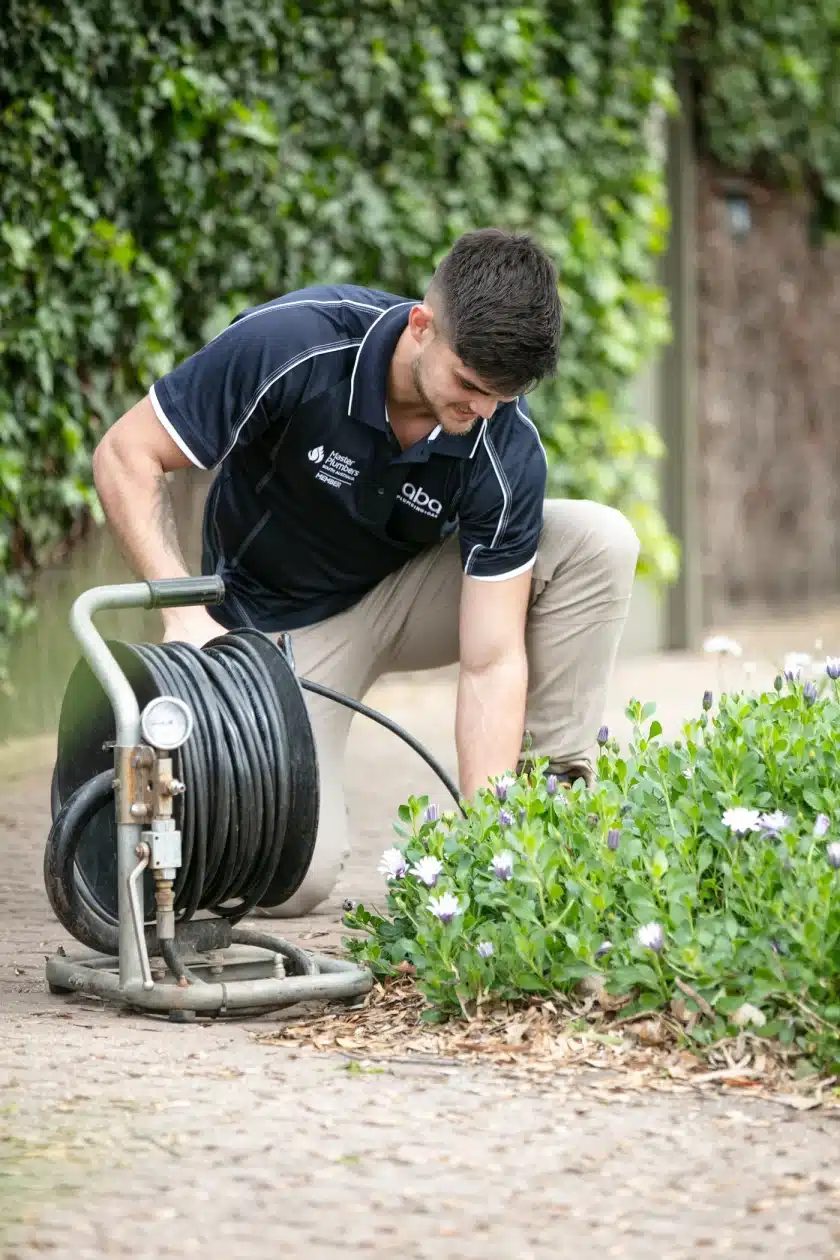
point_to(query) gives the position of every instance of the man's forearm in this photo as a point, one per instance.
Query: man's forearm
(490, 721)
(136, 501)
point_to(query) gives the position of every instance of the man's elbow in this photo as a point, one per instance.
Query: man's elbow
(509, 659)
(102, 462)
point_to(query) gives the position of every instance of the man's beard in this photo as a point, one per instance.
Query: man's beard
(447, 423)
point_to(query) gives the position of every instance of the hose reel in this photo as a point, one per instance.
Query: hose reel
(186, 780)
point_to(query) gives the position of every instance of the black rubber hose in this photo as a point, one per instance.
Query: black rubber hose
(170, 955)
(233, 818)
(79, 915)
(394, 727)
(301, 962)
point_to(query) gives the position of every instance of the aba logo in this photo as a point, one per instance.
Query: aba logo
(316, 454)
(420, 501)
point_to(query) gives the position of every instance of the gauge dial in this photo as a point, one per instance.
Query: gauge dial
(166, 723)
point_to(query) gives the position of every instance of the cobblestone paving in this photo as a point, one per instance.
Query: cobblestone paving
(121, 1136)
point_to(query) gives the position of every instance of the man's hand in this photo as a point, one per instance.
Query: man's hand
(190, 625)
(493, 682)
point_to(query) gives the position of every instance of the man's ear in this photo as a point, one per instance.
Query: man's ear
(421, 322)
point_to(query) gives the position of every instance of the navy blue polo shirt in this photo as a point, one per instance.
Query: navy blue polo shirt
(314, 501)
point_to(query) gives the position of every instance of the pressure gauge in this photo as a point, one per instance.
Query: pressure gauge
(166, 723)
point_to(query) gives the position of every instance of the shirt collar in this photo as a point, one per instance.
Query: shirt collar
(369, 383)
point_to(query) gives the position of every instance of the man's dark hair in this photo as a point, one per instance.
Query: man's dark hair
(496, 303)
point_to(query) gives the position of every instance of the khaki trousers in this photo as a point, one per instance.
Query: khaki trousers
(580, 596)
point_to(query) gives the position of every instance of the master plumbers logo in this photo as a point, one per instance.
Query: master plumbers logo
(335, 469)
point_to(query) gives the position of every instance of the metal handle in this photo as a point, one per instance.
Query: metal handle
(179, 592)
(137, 915)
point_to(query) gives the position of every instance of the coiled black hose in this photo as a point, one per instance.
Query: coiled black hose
(249, 818)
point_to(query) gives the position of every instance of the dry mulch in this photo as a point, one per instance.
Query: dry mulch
(558, 1038)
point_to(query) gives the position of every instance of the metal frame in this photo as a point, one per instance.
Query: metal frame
(257, 979)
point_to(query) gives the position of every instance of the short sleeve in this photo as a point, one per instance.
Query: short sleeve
(501, 513)
(235, 386)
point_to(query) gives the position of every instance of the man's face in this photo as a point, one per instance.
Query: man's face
(454, 394)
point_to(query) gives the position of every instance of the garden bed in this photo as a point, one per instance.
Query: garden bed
(682, 912)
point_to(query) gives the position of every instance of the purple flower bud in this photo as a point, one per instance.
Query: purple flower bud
(613, 838)
(431, 813)
(551, 785)
(501, 791)
(832, 667)
(832, 855)
(821, 825)
(505, 818)
(603, 948)
(809, 693)
(485, 949)
(603, 735)
(708, 700)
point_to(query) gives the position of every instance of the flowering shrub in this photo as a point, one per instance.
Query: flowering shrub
(709, 862)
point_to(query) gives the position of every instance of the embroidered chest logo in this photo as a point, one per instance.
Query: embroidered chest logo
(335, 470)
(416, 497)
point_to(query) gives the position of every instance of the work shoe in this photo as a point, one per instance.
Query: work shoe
(567, 776)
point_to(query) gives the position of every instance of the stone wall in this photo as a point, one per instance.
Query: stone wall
(768, 402)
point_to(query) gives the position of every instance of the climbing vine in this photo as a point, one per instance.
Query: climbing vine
(164, 165)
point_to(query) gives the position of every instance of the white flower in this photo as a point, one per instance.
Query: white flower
(444, 907)
(427, 870)
(748, 1014)
(821, 825)
(651, 936)
(719, 644)
(832, 854)
(740, 819)
(392, 864)
(793, 665)
(689, 772)
(603, 948)
(485, 949)
(777, 821)
(502, 865)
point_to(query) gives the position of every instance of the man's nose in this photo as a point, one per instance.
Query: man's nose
(484, 407)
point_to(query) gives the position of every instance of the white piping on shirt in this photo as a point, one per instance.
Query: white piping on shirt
(281, 305)
(500, 577)
(395, 307)
(173, 432)
(255, 400)
(507, 495)
(504, 486)
(481, 431)
(531, 425)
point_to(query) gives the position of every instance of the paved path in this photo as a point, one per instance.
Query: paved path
(122, 1136)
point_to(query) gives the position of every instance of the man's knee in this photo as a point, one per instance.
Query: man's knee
(582, 532)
